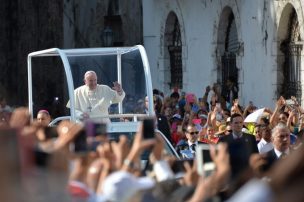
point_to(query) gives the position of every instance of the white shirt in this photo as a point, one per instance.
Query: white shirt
(190, 144)
(264, 146)
(279, 153)
(96, 102)
(254, 190)
(236, 136)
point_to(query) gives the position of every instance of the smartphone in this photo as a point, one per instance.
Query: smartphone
(50, 132)
(80, 145)
(289, 102)
(205, 165)
(178, 165)
(179, 128)
(148, 128)
(95, 129)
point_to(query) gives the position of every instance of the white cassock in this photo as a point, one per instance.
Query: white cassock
(96, 102)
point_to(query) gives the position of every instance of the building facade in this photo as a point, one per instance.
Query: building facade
(190, 44)
(257, 44)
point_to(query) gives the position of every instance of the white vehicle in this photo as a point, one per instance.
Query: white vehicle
(127, 65)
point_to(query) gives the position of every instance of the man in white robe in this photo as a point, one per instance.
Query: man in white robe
(93, 99)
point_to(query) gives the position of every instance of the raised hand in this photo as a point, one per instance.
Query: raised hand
(117, 87)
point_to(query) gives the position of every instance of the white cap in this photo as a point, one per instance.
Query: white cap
(121, 185)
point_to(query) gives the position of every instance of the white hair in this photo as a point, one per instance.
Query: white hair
(279, 126)
(89, 72)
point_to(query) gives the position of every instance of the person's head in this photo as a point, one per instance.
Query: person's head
(174, 96)
(236, 123)
(191, 133)
(226, 113)
(257, 131)
(43, 117)
(203, 115)
(158, 103)
(228, 130)
(2, 101)
(280, 137)
(283, 117)
(230, 82)
(217, 88)
(264, 129)
(210, 131)
(234, 110)
(90, 79)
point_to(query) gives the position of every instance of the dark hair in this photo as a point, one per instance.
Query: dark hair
(158, 104)
(227, 111)
(265, 120)
(174, 95)
(234, 116)
(156, 91)
(285, 113)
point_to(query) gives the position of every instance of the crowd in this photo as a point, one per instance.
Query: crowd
(260, 160)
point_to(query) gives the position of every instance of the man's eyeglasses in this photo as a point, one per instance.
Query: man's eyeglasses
(192, 133)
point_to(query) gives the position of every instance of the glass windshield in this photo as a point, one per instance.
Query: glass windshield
(107, 70)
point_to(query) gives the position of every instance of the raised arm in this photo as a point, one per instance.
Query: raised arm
(274, 117)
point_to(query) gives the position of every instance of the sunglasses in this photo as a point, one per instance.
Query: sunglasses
(192, 133)
(229, 131)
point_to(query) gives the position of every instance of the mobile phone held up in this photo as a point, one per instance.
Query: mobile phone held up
(50, 132)
(290, 102)
(205, 165)
(79, 145)
(148, 128)
(95, 129)
(178, 165)
(87, 139)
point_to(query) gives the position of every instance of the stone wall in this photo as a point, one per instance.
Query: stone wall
(26, 26)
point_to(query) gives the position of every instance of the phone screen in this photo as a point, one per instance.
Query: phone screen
(290, 102)
(179, 128)
(148, 128)
(50, 132)
(178, 165)
(95, 129)
(80, 143)
(205, 165)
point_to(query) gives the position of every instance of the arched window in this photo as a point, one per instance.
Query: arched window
(174, 44)
(292, 59)
(229, 71)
